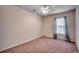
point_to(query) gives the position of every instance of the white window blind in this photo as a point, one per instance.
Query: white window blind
(60, 25)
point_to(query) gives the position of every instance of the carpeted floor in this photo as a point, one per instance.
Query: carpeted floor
(44, 45)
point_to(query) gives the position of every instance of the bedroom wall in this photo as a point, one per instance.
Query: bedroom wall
(18, 26)
(48, 24)
(77, 27)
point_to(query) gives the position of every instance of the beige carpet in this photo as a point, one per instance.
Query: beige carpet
(44, 45)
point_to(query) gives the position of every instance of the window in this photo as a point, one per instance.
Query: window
(60, 25)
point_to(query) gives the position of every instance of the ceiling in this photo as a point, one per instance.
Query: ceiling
(54, 8)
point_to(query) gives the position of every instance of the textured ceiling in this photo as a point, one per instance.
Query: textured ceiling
(54, 8)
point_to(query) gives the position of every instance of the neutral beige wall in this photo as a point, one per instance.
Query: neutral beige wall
(18, 26)
(48, 24)
(77, 26)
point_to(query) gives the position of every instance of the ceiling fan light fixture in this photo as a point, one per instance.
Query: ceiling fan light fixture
(44, 9)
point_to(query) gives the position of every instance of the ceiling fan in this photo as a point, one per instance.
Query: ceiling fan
(45, 9)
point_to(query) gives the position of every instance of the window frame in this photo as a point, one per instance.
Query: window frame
(55, 26)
